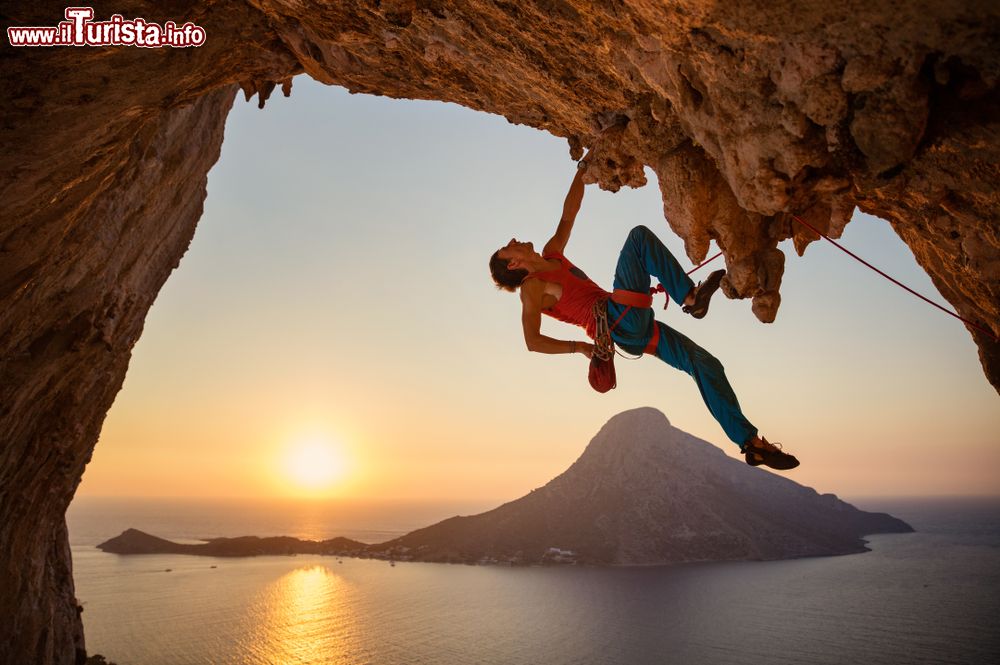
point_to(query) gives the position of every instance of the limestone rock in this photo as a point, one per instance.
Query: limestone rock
(758, 109)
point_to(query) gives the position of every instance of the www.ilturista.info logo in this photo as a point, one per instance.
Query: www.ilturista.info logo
(79, 30)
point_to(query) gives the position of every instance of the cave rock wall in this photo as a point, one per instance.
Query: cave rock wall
(748, 112)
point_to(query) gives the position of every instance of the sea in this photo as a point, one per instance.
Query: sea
(932, 596)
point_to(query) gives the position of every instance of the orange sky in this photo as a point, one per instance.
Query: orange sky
(337, 291)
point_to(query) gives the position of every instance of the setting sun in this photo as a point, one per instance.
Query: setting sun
(314, 464)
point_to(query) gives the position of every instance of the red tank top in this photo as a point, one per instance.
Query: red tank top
(579, 293)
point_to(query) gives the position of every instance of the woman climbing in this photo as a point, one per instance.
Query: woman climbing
(549, 283)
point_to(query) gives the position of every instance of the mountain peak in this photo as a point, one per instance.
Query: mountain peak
(645, 492)
(641, 437)
(645, 414)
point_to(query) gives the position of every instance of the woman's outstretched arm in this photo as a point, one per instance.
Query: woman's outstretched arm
(570, 208)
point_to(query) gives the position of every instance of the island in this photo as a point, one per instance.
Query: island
(133, 541)
(642, 493)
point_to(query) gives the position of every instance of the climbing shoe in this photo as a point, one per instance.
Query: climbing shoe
(771, 455)
(703, 294)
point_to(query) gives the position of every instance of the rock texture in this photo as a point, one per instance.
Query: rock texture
(746, 111)
(645, 493)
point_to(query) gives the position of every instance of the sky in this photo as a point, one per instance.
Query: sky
(333, 332)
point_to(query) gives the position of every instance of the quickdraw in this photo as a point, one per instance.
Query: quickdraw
(604, 346)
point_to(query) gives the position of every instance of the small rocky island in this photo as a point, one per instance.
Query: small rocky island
(642, 493)
(133, 541)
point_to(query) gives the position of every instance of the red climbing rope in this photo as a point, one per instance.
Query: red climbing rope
(653, 290)
(659, 287)
(703, 263)
(894, 281)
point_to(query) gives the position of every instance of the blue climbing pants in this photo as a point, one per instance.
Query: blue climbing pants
(643, 256)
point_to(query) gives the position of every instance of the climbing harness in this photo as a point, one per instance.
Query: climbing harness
(604, 346)
(602, 370)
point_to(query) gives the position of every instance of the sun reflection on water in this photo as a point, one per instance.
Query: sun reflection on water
(305, 617)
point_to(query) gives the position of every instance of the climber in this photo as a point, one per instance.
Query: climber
(549, 283)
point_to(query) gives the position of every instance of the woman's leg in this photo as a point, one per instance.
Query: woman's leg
(678, 351)
(644, 255)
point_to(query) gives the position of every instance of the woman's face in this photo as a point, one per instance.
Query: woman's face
(516, 251)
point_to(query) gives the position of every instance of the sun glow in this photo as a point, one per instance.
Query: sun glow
(315, 464)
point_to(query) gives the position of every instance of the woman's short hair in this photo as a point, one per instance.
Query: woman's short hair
(504, 277)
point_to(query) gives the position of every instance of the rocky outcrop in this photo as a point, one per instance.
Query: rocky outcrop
(646, 493)
(77, 291)
(642, 493)
(133, 541)
(748, 112)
